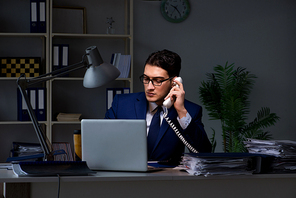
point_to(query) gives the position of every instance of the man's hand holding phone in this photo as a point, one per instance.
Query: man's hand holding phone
(176, 97)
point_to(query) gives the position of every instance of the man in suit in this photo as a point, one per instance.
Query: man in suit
(160, 71)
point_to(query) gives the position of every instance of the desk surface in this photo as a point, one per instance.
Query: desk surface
(165, 174)
(165, 183)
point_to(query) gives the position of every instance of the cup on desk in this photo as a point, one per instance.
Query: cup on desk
(77, 145)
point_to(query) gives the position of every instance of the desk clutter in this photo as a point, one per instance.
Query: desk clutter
(223, 163)
(264, 156)
(33, 152)
(283, 151)
(26, 159)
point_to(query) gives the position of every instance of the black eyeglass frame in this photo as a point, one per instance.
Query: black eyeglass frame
(161, 81)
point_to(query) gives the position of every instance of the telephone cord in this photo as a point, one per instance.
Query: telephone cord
(191, 148)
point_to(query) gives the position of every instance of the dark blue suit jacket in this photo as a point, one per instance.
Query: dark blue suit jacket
(168, 145)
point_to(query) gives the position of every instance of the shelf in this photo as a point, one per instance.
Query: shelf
(24, 34)
(111, 36)
(19, 122)
(64, 122)
(81, 78)
(12, 78)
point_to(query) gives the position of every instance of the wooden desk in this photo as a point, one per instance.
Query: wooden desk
(166, 183)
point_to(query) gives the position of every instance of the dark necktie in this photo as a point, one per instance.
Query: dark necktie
(153, 130)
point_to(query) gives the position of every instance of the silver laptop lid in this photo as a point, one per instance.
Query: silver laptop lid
(114, 144)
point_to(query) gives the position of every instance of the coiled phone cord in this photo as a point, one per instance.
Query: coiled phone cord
(191, 148)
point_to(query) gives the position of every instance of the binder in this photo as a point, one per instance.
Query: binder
(22, 112)
(34, 16)
(42, 16)
(111, 92)
(38, 16)
(32, 97)
(65, 55)
(40, 108)
(60, 56)
(56, 57)
(38, 103)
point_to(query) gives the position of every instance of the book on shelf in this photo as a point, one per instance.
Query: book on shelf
(69, 117)
(122, 63)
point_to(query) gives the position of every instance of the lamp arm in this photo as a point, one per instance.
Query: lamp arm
(56, 73)
(48, 155)
(22, 86)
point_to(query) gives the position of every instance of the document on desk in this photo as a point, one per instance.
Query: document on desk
(284, 152)
(217, 164)
(7, 166)
(277, 148)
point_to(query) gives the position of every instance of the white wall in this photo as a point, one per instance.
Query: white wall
(256, 34)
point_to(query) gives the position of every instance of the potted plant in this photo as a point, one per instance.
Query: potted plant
(225, 95)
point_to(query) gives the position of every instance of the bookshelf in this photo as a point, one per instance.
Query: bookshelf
(63, 94)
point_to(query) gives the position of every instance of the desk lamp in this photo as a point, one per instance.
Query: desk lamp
(97, 74)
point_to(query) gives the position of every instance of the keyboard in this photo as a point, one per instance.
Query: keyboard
(51, 168)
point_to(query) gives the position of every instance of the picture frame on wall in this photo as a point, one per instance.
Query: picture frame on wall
(69, 20)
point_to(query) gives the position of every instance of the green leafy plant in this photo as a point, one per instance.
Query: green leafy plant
(225, 95)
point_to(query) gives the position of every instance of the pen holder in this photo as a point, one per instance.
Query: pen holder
(77, 145)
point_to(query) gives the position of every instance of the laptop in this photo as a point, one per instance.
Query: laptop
(115, 144)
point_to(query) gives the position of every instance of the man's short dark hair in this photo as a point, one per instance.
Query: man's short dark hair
(167, 60)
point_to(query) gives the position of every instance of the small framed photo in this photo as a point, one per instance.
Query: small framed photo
(69, 20)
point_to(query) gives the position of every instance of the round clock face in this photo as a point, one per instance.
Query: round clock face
(175, 11)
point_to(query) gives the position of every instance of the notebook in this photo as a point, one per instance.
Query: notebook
(114, 144)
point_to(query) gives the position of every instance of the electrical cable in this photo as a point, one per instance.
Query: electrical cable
(59, 185)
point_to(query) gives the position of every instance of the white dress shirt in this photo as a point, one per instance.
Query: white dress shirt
(184, 122)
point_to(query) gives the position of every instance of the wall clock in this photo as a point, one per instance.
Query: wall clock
(175, 11)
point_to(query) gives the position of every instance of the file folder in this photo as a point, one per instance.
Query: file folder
(32, 97)
(60, 56)
(56, 57)
(42, 16)
(22, 113)
(34, 16)
(37, 98)
(40, 110)
(38, 16)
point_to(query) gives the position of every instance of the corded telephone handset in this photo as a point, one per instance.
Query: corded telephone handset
(167, 104)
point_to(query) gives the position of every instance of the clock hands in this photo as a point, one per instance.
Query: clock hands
(176, 8)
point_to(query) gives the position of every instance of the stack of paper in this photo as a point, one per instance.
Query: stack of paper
(277, 148)
(217, 163)
(20, 149)
(69, 117)
(284, 152)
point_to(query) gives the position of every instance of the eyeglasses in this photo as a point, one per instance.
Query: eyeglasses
(155, 82)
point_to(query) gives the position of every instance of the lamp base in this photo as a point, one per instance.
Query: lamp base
(51, 168)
